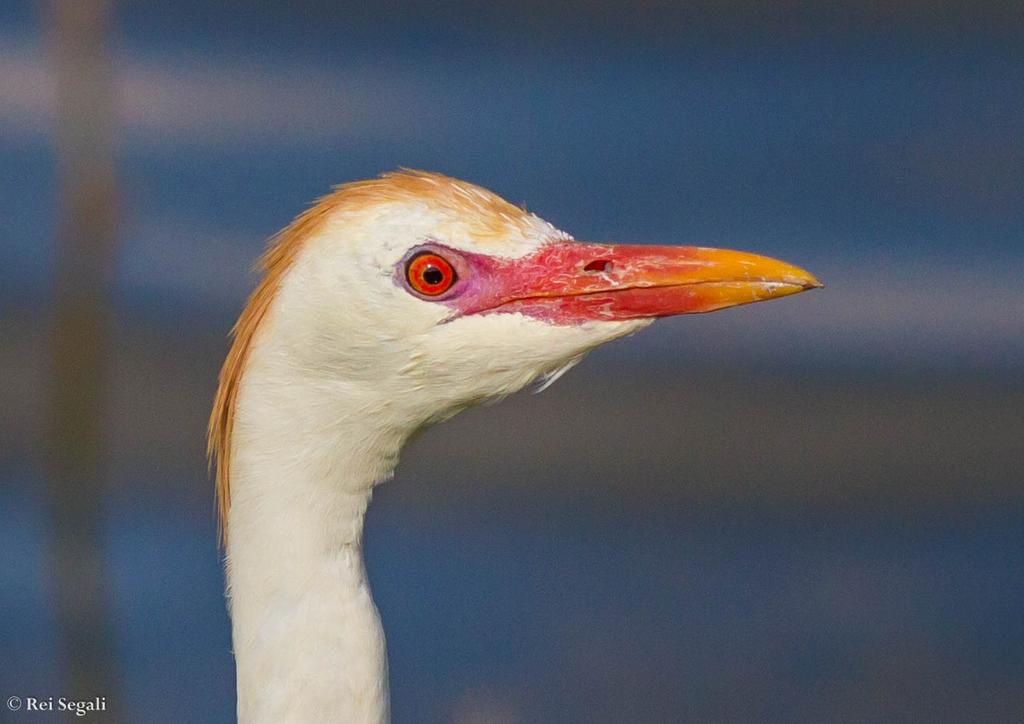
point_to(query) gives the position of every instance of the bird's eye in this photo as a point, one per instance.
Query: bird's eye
(430, 274)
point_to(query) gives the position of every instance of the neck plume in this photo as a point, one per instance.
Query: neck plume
(307, 637)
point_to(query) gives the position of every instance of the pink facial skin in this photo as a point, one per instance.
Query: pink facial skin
(569, 282)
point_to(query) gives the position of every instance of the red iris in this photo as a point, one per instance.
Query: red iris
(430, 274)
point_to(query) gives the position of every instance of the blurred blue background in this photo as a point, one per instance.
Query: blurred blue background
(806, 510)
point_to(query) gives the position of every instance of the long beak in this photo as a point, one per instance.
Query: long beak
(575, 282)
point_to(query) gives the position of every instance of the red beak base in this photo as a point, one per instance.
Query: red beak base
(572, 283)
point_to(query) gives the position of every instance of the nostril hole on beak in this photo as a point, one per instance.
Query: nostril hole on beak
(598, 265)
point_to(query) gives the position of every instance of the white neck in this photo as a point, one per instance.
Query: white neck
(308, 641)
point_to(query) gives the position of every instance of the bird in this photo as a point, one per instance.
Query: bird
(390, 304)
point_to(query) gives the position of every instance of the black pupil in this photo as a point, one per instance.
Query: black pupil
(433, 276)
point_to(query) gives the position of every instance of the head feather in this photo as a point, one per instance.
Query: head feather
(485, 213)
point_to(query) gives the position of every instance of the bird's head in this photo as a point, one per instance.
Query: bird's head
(439, 294)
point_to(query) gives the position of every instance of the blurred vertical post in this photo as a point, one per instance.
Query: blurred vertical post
(79, 34)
